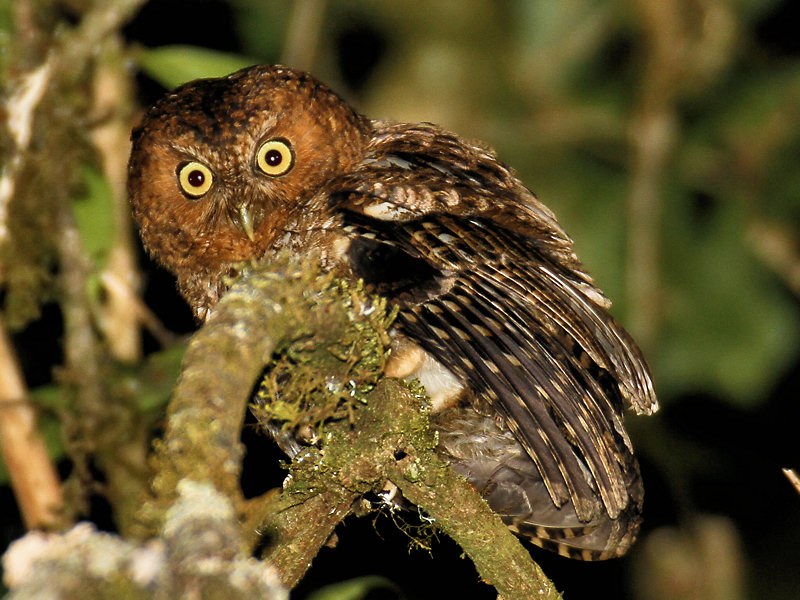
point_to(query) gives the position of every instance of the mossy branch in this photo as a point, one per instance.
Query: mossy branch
(197, 555)
(382, 435)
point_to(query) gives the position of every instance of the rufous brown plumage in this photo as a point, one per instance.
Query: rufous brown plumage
(528, 373)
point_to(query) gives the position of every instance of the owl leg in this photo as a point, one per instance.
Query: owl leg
(409, 361)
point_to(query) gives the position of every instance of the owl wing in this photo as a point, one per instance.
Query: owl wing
(511, 314)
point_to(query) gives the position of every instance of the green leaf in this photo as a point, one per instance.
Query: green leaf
(173, 65)
(729, 329)
(354, 589)
(94, 214)
(152, 383)
(262, 26)
(48, 397)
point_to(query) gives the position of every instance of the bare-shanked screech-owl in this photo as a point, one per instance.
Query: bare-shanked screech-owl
(527, 372)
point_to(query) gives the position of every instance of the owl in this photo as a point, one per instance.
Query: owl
(527, 372)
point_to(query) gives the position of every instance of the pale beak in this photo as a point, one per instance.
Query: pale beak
(246, 221)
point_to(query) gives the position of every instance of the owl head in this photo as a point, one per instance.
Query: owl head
(221, 168)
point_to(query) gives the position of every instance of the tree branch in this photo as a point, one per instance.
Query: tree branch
(196, 556)
(34, 479)
(382, 436)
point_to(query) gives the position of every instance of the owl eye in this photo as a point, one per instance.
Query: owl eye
(275, 157)
(195, 179)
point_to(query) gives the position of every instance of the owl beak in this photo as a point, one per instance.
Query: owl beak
(246, 220)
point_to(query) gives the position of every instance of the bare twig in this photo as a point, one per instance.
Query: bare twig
(81, 354)
(115, 282)
(113, 95)
(302, 37)
(652, 137)
(85, 41)
(682, 54)
(793, 478)
(776, 245)
(33, 477)
(20, 108)
(98, 430)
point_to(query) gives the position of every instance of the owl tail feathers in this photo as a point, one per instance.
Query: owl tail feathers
(528, 511)
(599, 540)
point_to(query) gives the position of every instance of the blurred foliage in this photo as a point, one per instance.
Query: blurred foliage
(697, 101)
(93, 215)
(173, 65)
(145, 387)
(360, 588)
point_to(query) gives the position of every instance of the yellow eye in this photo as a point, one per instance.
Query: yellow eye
(275, 157)
(195, 179)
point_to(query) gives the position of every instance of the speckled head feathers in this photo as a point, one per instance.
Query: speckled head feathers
(215, 129)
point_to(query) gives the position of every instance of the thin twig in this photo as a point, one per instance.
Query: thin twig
(302, 37)
(793, 478)
(682, 53)
(34, 479)
(81, 354)
(113, 96)
(116, 284)
(777, 246)
(653, 134)
(20, 108)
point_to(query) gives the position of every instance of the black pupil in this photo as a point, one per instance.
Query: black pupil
(273, 158)
(196, 178)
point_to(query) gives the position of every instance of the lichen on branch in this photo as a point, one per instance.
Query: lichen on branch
(323, 341)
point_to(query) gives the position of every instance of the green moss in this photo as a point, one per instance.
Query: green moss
(324, 376)
(422, 534)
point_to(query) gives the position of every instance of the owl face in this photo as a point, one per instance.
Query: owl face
(221, 169)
